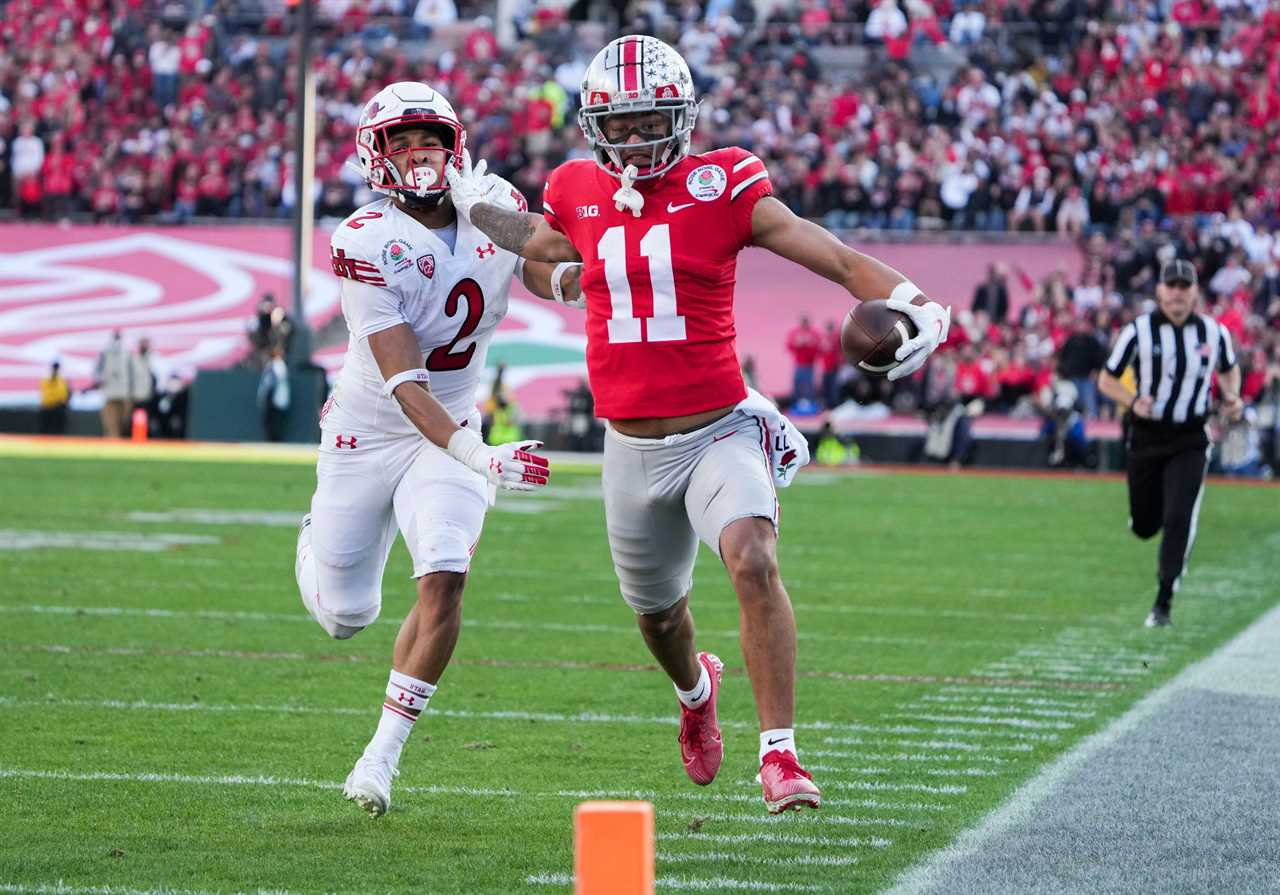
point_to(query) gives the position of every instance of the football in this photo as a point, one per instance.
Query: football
(872, 333)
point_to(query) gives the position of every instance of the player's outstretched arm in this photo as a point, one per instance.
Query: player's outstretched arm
(521, 232)
(776, 228)
(542, 279)
(512, 466)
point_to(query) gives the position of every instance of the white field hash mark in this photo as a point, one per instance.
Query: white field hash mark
(464, 714)
(61, 888)
(561, 627)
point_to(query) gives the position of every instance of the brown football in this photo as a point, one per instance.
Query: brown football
(872, 333)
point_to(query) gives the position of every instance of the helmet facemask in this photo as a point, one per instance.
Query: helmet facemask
(421, 186)
(664, 150)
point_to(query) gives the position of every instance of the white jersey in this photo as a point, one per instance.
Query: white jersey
(394, 270)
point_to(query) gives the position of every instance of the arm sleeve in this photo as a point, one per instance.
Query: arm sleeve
(369, 303)
(1122, 352)
(1226, 351)
(748, 184)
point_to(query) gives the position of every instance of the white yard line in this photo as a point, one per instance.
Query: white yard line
(712, 884)
(748, 858)
(499, 625)
(776, 839)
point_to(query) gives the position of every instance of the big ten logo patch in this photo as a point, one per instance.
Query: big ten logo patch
(707, 182)
(397, 254)
(588, 211)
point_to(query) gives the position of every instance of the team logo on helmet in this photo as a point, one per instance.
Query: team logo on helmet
(707, 182)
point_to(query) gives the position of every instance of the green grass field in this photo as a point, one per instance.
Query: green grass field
(173, 721)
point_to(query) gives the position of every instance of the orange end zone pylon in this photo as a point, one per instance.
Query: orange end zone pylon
(613, 848)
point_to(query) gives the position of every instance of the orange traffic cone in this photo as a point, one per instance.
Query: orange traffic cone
(138, 431)
(613, 848)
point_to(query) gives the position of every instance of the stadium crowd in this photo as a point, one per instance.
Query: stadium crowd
(1139, 127)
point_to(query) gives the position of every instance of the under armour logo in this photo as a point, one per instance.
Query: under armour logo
(489, 251)
(349, 442)
(407, 700)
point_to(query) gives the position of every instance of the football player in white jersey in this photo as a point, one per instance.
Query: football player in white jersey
(422, 292)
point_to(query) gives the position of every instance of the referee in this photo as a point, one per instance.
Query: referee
(1174, 351)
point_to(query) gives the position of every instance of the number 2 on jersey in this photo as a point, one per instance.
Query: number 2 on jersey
(443, 357)
(665, 325)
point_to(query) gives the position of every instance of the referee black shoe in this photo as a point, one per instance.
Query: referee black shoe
(1158, 617)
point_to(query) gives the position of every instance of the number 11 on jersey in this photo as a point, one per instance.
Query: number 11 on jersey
(665, 325)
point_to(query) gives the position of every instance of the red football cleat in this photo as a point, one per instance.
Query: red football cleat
(787, 785)
(701, 748)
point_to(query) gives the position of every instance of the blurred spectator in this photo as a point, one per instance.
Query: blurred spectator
(113, 378)
(1063, 429)
(142, 378)
(992, 294)
(505, 419)
(831, 359)
(749, 372)
(832, 451)
(803, 344)
(55, 396)
(1079, 360)
(171, 409)
(273, 395)
(580, 417)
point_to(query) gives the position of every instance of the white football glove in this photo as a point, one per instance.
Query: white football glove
(932, 322)
(510, 466)
(468, 186)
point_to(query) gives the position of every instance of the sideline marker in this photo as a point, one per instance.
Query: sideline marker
(138, 429)
(613, 848)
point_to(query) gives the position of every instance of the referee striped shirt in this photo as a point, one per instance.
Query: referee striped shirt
(1174, 364)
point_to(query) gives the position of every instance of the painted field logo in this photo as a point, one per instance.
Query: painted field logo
(707, 183)
(397, 254)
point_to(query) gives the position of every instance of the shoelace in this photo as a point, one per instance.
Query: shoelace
(698, 730)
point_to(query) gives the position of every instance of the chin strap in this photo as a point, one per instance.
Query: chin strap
(627, 197)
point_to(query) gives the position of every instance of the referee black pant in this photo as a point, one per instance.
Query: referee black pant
(1166, 472)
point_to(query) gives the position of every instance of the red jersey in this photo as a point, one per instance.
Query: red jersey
(659, 288)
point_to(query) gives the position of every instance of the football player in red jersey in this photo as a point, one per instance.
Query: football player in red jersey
(651, 236)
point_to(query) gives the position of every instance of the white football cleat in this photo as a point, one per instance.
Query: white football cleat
(369, 783)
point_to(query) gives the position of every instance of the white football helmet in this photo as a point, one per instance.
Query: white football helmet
(407, 103)
(638, 73)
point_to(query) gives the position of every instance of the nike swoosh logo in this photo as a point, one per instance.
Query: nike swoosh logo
(672, 208)
(777, 741)
(724, 436)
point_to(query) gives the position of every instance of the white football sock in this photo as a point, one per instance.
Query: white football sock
(779, 739)
(701, 692)
(407, 697)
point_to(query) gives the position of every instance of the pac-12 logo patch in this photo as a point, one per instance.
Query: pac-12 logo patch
(707, 182)
(427, 266)
(397, 254)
